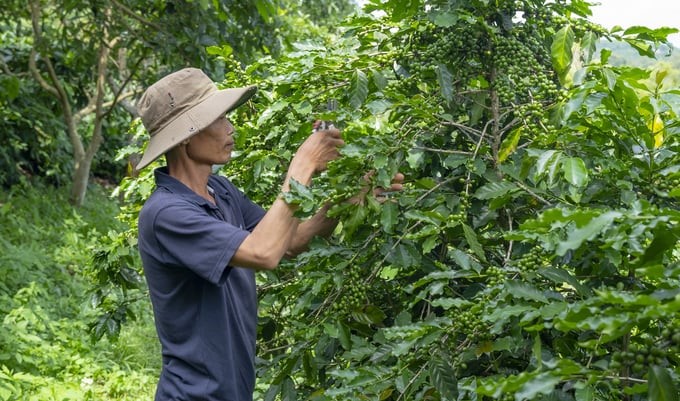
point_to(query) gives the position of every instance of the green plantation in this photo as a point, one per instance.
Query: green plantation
(533, 253)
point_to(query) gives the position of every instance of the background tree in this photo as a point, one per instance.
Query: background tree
(93, 56)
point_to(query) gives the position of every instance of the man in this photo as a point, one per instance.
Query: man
(201, 239)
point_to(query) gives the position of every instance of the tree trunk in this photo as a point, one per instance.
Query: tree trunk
(81, 177)
(82, 156)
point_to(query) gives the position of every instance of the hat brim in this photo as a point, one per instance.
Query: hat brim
(192, 121)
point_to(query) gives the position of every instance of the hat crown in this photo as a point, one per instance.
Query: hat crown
(172, 96)
(182, 104)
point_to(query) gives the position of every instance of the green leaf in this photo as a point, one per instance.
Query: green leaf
(589, 46)
(547, 164)
(388, 273)
(537, 351)
(643, 47)
(444, 379)
(388, 216)
(543, 383)
(524, 291)
(430, 243)
(560, 276)
(464, 260)
(288, 392)
(444, 19)
(661, 385)
(585, 394)
(344, 336)
(575, 171)
(404, 255)
(472, 241)
(356, 219)
(509, 144)
(379, 79)
(561, 50)
(664, 239)
(369, 315)
(495, 190)
(573, 104)
(378, 106)
(382, 352)
(402, 9)
(650, 34)
(588, 232)
(358, 90)
(10, 86)
(445, 80)
(300, 195)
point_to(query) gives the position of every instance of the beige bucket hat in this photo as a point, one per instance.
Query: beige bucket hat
(180, 105)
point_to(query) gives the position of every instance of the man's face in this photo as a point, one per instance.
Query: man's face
(214, 144)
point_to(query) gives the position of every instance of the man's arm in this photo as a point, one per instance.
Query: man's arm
(272, 237)
(322, 225)
(317, 225)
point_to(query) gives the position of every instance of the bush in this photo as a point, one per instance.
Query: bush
(48, 354)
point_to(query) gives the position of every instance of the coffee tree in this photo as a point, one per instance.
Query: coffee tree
(533, 254)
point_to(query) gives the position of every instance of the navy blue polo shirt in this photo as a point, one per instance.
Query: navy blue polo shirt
(205, 310)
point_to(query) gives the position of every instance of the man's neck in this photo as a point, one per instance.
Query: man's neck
(195, 177)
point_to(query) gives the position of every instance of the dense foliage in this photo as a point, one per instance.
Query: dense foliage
(533, 254)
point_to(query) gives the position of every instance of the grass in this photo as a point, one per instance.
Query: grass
(46, 351)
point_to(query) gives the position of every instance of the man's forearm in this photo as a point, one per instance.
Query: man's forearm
(275, 233)
(317, 225)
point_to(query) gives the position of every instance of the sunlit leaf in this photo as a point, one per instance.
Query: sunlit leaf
(359, 89)
(509, 144)
(561, 50)
(575, 171)
(656, 126)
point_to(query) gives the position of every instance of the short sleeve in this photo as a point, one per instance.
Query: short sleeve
(190, 237)
(252, 212)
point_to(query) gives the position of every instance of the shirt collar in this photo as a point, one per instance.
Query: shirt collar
(173, 185)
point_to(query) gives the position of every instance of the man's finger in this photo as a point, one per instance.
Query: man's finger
(398, 178)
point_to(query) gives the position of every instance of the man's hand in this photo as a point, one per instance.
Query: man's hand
(379, 193)
(396, 185)
(313, 156)
(320, 148)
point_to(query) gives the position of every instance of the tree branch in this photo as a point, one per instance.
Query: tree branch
(5, 67)
(91, 107)
(495, 117)
(33, 68)
(136, 16)
(56, 88)
(100, 89)
(118, 97)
